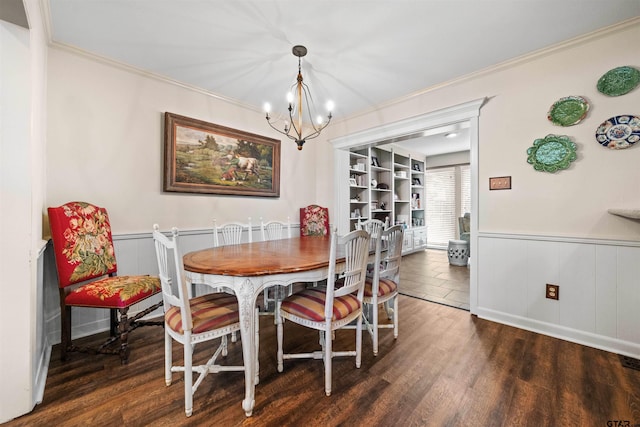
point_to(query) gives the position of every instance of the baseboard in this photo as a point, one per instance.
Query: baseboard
(42, 369)
(588, 339)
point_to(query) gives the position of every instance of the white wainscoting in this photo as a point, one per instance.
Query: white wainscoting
(599, 298)
(42, 351)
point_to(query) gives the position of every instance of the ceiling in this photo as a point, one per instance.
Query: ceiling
(361, 54)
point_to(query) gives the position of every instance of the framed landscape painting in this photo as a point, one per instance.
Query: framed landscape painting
(201, 157)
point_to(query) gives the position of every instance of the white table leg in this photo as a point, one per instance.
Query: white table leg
(246, 303)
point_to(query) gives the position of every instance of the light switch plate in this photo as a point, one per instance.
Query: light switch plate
(500, 183)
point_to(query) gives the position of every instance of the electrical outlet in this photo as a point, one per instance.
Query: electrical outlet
(553, 291)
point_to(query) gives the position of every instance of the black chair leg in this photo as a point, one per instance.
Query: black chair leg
(123, 329)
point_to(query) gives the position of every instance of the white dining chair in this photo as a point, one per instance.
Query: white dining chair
(231, 233)
(331, 308)
(274, 230)
(381, 286)
(191, 321)
(374, 227)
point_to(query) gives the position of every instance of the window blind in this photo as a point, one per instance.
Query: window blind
(465, 189)
(441, 206)
(448, 196)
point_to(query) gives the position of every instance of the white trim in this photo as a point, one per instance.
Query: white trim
(560, 239)
(42, 370)
(191, 232)
(409, 126)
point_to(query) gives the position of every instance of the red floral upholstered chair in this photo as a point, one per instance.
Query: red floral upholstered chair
(83, 249)
(314, 221)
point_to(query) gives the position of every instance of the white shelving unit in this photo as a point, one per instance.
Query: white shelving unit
(389, 186)
(358, 187)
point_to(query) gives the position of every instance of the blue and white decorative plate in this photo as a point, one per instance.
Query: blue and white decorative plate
(619, 132)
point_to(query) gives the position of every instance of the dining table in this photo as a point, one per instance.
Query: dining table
(248, 269)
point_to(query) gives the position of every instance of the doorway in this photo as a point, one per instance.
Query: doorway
(416, 126)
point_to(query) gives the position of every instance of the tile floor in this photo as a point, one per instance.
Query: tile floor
(428, 275)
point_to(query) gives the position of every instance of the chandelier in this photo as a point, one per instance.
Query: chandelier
(301, 94)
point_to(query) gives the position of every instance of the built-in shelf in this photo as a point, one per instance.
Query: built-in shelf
(627, 213)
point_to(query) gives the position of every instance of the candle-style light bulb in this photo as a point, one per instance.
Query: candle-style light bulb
(330, 106)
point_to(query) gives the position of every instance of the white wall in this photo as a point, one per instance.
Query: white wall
(24, 353)
(105, 144)
(15, 202)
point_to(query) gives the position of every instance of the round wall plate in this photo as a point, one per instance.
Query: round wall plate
(568, 111)
(619, 132)
(551, 153)
(619, 81)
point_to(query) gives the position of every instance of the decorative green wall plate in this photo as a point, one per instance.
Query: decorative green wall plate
(568, 111)
(551, 153)
(619, 81)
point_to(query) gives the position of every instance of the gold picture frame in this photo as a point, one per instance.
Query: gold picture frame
(202, 157)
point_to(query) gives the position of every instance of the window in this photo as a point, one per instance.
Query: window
(465, 189)
(448, 197)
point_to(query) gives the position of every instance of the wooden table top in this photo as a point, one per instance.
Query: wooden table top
(261, 258)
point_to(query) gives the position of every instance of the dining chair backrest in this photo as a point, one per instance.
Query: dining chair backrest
(389, 252)
(351, 281)
(275, 230)
(372, 226)
(231, 233)
(82, 242)
(314, 221)
(170, 265)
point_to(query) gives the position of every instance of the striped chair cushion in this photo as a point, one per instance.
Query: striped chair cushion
(386, 287)
(208, 312)
(309, 304)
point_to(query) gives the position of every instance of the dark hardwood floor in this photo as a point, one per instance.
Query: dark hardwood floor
(447, 368)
